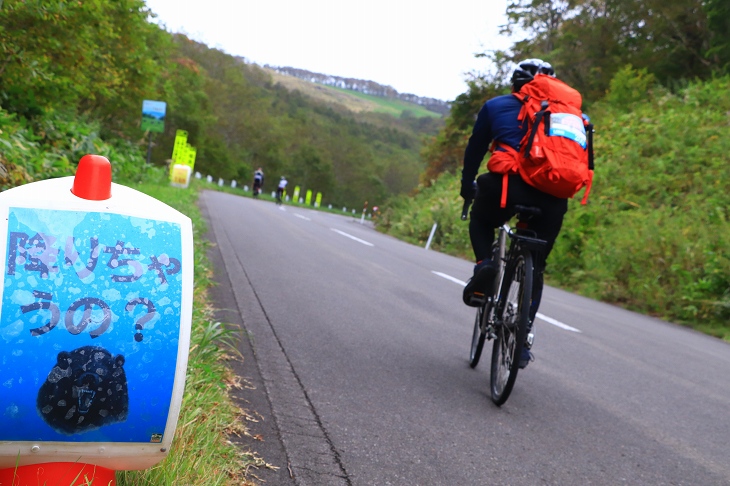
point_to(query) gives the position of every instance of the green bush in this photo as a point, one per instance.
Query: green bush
(51, 146)
(412, 217)
(629, 86)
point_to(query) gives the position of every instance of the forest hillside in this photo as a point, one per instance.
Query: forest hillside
(74, 75)
(355, 101)
(363, 86)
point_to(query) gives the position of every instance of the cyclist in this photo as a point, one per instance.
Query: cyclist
(497, 121)
(258, 181)
(280, 189)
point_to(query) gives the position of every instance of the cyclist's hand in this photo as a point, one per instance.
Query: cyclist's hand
(468, 188)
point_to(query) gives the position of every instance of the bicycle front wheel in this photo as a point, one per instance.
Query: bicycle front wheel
(511, 332)
(477, 338)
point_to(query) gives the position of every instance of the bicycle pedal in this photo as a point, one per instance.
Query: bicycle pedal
(478, 298)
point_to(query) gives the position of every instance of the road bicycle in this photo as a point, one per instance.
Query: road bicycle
(503, 314)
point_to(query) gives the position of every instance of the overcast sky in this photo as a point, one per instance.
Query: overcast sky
(415, 46)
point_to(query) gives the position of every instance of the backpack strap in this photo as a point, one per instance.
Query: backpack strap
(512, 154)
(589, 133)
(584, 201)
(538, 118)
(523, 99)
(505, 182)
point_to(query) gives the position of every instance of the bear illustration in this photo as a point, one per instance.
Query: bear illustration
(85, 390)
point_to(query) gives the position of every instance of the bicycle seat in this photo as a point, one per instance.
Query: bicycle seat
(527, 211)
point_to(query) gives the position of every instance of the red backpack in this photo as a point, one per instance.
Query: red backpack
(556, 154)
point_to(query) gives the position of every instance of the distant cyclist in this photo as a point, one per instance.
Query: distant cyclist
(280, 190)
(258, 181)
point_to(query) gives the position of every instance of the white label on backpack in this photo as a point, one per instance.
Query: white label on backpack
(568, 126)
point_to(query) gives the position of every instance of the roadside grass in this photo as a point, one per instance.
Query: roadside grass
(201, 452)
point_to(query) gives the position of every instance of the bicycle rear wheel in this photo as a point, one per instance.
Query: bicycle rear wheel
(512, 329)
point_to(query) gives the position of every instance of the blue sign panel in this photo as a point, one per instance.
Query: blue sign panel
(89, 326)
(153, 115)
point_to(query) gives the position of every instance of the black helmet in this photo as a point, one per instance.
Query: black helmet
(527, 69)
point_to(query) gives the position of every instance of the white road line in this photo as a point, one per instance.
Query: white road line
(352, 237)
(545, 318)
(559, 324)
(303, 217)
(449, 277)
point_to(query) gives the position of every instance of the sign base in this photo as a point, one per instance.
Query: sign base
(61, 473)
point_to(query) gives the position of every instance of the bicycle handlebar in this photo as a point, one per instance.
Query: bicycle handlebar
(468, 201)
(465, 209)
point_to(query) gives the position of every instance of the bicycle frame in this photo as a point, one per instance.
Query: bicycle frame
(519, 239)
(504, 231)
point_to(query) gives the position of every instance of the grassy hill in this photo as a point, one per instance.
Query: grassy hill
(352, 100)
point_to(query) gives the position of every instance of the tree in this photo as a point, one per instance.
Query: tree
(541, 19)
(97, 57)
(718, 20)
(588, 41)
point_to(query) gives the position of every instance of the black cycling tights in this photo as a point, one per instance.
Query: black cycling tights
(487, 215)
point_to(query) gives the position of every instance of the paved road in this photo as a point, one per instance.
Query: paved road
(358, 352)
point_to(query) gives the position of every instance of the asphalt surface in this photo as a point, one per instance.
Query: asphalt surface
(356, 358)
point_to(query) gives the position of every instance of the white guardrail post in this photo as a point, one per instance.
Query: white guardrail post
(430, 237)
